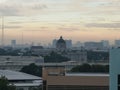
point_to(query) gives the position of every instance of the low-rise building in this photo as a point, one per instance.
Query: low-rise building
(17, 62)
(77, 55)
(22, 81)
(56, 78)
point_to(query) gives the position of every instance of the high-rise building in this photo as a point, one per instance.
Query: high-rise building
(68, 43)
(115, 69)
(117, 43)
(13, 43)
(54, 43)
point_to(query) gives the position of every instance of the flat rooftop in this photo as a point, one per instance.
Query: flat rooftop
(88, 74)
(14, 75)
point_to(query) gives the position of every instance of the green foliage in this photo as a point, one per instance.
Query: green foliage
(81, 68)
(55, 58)
(32, 69)
(91, 68)
(5, 85)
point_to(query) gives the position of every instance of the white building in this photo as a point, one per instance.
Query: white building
(115, 69)
(22, 81)
(77, 56)
(39, 50)
(17, 62)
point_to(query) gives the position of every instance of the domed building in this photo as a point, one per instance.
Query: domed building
(61, 44)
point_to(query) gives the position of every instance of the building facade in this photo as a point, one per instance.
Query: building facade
(55, 78)
(77, 55)
(18, 62)
(115, 69)
(93, 45)
(61, 44)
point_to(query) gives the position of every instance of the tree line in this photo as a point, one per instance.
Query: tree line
(91, 68)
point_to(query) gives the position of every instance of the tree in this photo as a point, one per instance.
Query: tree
(82, 68)
(91, 68)
(5, 85)
(32, 69)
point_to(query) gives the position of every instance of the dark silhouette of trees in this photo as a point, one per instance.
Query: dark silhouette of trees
(5, 85)
(32, 69)
(91, 68)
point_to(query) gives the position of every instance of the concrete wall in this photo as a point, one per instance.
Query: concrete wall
(78, 80)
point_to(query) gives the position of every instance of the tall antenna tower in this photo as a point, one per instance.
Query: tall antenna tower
(2, 31)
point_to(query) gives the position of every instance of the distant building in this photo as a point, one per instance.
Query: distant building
(17, 62)
(78, 44)
(117, 43)
(105, 43)
(40, 51)
(93, 45)
(68, 44)
(54, 43)
(13, 43)
(61, 44)
(115, 69)
(22, 81)
(77, 55)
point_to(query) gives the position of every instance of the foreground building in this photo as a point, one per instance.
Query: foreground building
(55, 78)
(22, 81)
(115, 69)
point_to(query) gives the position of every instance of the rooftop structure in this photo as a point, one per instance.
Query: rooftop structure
(21, 80)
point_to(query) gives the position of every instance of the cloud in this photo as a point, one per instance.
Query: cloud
(11, 27)
(20, 8)
(103, 25)
(8, 10)
(68, 29)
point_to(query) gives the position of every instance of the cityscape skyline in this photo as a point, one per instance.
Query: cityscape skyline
(44, 20)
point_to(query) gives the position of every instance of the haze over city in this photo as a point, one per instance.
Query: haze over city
(44, 20)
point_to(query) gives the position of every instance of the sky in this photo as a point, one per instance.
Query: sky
(41, 21)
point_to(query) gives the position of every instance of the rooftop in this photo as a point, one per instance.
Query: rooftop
(14, 75)
(88, 74)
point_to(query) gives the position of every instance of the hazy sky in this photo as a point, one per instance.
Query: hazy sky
(43, 20)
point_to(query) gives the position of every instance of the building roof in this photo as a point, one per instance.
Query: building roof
(88, 74)
(14, 75)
